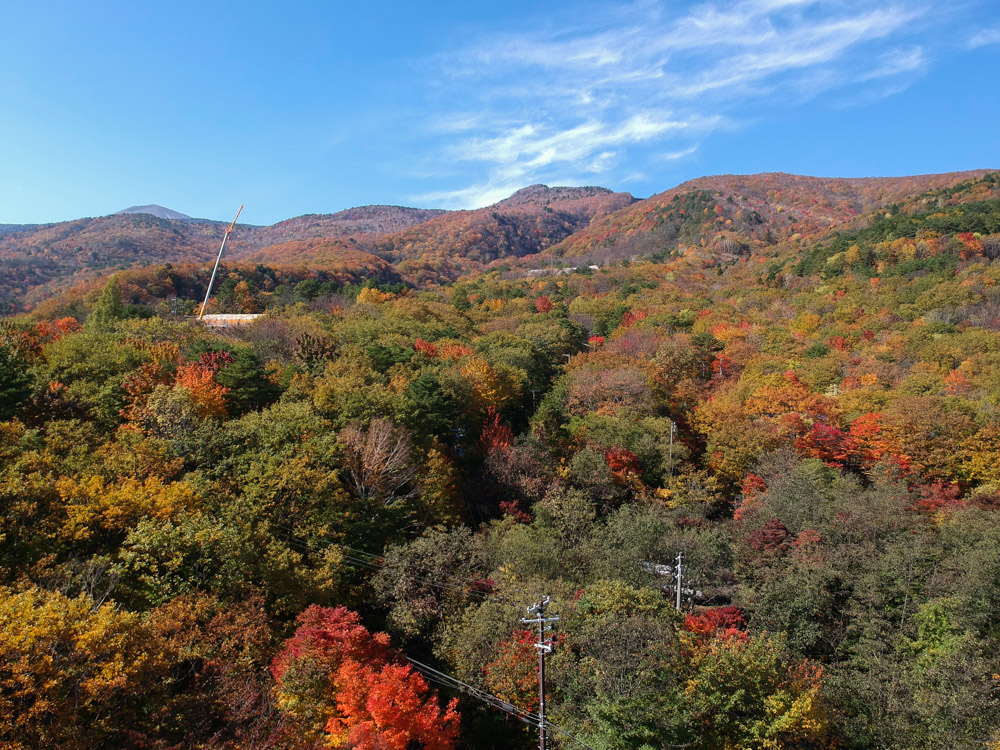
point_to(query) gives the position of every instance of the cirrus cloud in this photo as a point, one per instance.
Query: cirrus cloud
(587, 99)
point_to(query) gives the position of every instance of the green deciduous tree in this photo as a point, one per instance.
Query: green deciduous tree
(109, 307)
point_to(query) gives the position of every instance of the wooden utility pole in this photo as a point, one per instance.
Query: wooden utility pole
(544, 647)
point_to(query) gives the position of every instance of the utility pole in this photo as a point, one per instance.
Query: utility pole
(678, 574)
(544, 649)
(215, 270)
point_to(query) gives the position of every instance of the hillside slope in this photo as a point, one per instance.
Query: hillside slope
(743, 211)
(527, 223)
(726, 216)
(39, 260)
(363, 220)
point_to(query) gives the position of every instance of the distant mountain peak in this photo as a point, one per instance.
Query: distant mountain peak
(158, 211)
(534, 194)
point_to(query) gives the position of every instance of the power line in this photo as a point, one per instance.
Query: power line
(379, 563)
(528, 717)
(559, 729)
(444, 680)
(439, 580)
(456, 684)
(427, 580)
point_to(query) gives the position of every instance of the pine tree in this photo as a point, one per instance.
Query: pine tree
(249, 387)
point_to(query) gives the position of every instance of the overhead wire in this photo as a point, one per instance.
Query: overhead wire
(421, 579)
(440, 579)
(435, 581)
(480, 581)
(475, 581)
(457, 684)
(446, 680)
(432, 675)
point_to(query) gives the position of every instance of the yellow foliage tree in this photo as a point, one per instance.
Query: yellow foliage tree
(980, 456)
(488, 387)
(370, 296)
(746, 694)
(733, 442)
(807, 323)
(438, 490)
(68, 670)
(92, 503)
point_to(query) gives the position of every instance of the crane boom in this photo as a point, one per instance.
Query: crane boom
(217, 260)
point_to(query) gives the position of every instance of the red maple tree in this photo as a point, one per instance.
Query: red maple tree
(370, 698)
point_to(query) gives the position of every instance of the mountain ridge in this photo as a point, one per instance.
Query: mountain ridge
(730, 215)
(776, 203)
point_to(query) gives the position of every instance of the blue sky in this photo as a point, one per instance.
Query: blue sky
(326, 105)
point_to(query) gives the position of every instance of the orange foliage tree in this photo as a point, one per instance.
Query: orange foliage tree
(343, 682)
(208, 395)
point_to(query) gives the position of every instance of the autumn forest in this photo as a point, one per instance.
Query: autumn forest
(311, 531)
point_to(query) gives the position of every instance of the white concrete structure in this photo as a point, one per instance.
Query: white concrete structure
(230, 320)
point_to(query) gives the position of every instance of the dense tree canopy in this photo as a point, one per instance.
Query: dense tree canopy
(235, 538)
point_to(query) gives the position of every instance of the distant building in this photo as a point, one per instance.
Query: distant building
(230, 320)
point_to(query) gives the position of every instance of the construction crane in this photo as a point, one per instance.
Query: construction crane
(215, 270)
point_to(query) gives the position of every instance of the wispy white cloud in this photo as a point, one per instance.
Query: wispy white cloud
(985, 38)
(897, 62)
(530, 146)
(675, 155)
(458, 122)
(634, 177)
(582, 100)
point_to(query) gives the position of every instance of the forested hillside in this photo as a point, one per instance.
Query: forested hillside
(428, 245)
(745, 211)
(535, 227)
(51, 256)
(235, 539)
